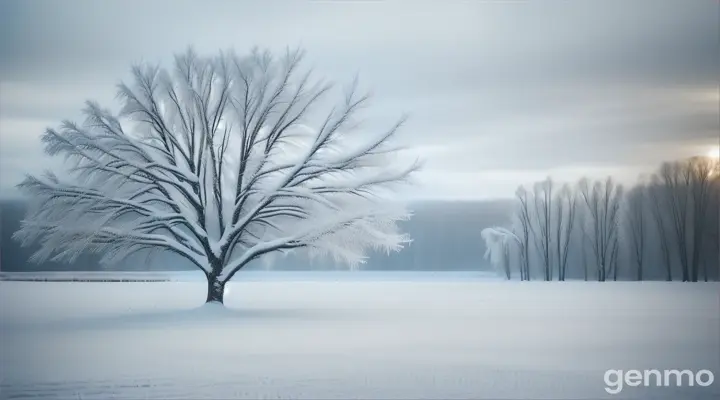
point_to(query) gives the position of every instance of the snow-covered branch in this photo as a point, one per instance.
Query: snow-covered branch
(222, 160)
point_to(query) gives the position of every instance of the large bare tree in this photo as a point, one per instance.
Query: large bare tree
(221, 160)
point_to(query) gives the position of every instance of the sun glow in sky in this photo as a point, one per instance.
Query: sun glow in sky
(714, 152)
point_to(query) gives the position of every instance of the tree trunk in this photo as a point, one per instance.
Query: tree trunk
(216, 290)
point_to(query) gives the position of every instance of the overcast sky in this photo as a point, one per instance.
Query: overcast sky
(500, 93)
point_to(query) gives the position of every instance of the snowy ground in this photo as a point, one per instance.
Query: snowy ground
(348, 338)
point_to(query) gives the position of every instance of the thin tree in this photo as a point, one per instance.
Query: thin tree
(543, 211)
(676, 180)
(585, 242)
(602, 201)
(614, 257)
(636, 226)
(525, 227)
(565, 221)
(701, 171)
(583, 250)
(658, 209)
(221, 160)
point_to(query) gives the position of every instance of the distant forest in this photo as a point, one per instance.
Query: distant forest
(666, 227)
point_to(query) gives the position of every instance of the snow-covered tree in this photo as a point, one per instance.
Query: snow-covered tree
(498, 242)
(221, 160)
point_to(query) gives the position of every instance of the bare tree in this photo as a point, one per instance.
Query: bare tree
(583, 251)
(676, 180)
(614, 255)
(584, 221)
(602, 201)
(221, 160)
(636, 202)
(658, 208)
(711, 257)
(565, 220)
(543, 208)
(688, 192)
(701, 176)
(525, 226)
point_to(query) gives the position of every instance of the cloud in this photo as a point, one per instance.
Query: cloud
(522, 87)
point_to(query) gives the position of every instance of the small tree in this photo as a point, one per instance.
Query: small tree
(497, 248)
(221, 160)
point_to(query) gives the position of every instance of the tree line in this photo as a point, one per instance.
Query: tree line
(667, 223)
